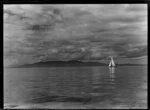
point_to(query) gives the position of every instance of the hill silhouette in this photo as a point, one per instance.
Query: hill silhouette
(67, 64)
(61, 64)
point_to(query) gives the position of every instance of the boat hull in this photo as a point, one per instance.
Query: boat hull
(112, 66)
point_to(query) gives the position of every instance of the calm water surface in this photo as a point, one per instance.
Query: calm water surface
(76, 87)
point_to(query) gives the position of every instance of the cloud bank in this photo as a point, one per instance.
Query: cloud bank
(34, 33)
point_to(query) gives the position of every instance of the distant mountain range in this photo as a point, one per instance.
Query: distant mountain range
(67, 64)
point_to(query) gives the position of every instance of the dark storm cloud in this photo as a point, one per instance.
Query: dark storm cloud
(35, 33)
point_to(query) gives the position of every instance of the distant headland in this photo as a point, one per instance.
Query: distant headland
(68, 64)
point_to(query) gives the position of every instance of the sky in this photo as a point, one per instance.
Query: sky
(89, 32)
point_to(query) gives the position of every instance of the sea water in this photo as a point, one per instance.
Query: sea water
(76, 87)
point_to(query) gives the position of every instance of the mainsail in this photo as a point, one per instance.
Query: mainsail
(112, 63)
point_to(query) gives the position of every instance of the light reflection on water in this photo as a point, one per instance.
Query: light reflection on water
(107, 87)
(112, 73)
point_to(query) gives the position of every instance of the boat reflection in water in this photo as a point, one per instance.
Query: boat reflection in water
(112, 73)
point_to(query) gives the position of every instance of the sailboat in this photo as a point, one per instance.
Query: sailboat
(112, 63)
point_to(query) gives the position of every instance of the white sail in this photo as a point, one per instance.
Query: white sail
(112, 63)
